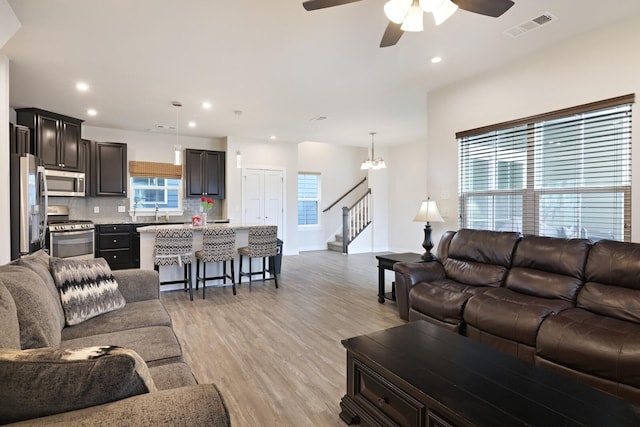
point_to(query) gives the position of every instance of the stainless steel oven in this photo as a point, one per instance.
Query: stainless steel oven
(70, 238)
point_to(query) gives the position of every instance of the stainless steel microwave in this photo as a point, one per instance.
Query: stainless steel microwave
(63, 183)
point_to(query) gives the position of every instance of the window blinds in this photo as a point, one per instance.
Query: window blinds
(562, 174)
(154, 170)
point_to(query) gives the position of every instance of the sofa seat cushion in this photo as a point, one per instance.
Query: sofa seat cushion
(132, 316)
(172, 375)
(442, 299)
(511, 315)
(47, 381)
(36, 308)
(10, 336)
(587, 342)
(156, 344)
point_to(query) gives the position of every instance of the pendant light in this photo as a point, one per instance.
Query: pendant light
(373, 163)
(177, 149)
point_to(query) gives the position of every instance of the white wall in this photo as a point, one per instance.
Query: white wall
(339, 169)
(592, 67)
(5, 191)
(264, 154)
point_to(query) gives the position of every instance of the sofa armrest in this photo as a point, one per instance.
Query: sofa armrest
(410, 273)
(198, 405)
(138, 285)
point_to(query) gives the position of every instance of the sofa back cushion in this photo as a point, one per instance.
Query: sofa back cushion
(612, 285)
(10, 336)
(37, 311)
(480, 257)
(549, 267)
(38, 262)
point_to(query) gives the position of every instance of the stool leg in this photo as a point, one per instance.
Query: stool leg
(264, 268)
(187, 279)
(250, 273)
(240, 272)
(198, 273)
(232, 279)
(272, 269)
(224, 272)
(204, 278)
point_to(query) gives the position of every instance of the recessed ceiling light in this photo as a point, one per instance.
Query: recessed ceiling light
(436, 60)
(82, 86)
(272, 137)
(91, 112)
(192, 124)
(206, 105)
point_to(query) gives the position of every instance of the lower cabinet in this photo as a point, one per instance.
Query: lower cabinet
(114, 243)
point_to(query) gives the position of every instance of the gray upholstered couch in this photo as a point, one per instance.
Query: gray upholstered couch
(47, 380)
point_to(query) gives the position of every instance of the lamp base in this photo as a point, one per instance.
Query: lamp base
(427, 244)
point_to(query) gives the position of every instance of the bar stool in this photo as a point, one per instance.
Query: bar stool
(263, 243)
(218, 245)
(174, 247)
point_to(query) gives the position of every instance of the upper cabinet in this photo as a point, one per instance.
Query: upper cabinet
(108, 169)
(205, 173)
(56, 138)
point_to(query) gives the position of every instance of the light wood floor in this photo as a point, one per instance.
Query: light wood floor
(275, 354)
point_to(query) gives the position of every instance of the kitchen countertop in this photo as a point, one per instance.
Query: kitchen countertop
(153, 228)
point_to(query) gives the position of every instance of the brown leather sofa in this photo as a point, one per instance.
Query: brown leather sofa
(568, 304)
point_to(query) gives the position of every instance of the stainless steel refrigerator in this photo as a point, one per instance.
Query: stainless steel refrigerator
(28, 205)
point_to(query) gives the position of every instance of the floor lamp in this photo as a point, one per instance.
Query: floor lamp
(428, 212)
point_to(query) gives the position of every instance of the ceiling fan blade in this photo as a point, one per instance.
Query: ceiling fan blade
(321, 4)
(492, 8)
(391, 35)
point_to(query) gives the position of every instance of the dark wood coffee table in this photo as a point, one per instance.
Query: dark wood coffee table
(386, 262)
(421, 375)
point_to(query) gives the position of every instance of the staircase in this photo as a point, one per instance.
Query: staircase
(354, 220)
(336, 245)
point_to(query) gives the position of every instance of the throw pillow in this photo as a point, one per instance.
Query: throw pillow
(87, 288)
(47, 381)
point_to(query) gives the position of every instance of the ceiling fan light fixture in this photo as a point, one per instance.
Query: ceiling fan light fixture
(413, 21)
(396, 10)
(430, 5)
(444, 12)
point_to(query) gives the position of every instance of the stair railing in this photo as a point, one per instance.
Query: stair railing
(355, 219)
(345, 194)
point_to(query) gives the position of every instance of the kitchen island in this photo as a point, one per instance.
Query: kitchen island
(147, 242)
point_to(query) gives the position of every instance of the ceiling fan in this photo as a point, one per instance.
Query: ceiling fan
(406, 15)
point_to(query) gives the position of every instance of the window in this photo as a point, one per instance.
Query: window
(308, 198)
(147, 193)
(561, 174)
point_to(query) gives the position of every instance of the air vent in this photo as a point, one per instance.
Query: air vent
(163, 128)
(530, 25)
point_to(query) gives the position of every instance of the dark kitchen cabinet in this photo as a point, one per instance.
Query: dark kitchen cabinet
(114, 243)
(55, 138)
(108, 169)
(20, 139)
(205, 174)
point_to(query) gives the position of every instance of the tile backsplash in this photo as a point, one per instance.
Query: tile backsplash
(83, 208)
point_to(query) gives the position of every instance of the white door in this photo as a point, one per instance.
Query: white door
(263, 197)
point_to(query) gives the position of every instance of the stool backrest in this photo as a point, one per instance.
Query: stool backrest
(263, 241)
(219, 244)
(173, 242)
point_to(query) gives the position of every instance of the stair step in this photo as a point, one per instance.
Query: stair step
(334, 246)
(338, 237)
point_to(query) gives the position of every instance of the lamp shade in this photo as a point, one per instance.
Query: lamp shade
(396, 10)
(413, 20)
(428, 212)
(444, 12)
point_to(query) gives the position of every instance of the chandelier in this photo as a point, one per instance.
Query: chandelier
(409, 12)
(373, 163)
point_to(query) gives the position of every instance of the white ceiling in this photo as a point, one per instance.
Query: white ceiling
(282, 66)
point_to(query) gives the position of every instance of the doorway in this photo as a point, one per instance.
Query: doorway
(263, 197)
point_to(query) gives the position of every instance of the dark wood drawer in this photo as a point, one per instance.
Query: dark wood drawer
(388, 400)
(114, 241)
(114, 228)
(117, 257)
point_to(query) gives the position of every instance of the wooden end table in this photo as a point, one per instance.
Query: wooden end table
(419, 374)
(386, 262)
